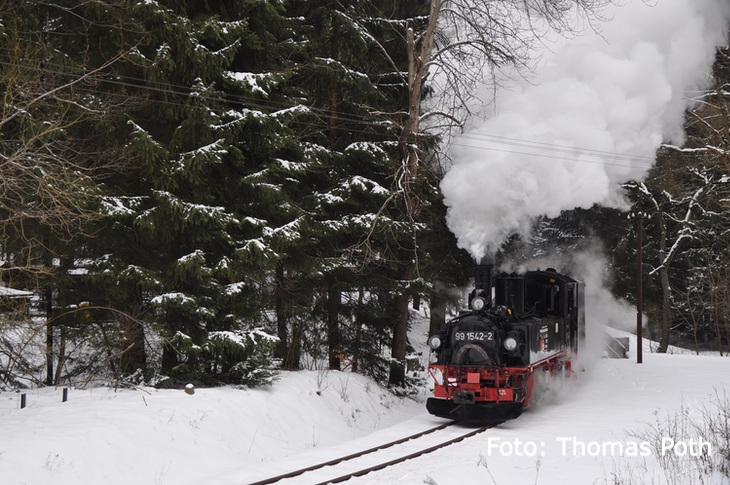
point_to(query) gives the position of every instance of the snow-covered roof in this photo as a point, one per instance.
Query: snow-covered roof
(13, 293)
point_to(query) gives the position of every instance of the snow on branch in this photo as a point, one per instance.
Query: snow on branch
(705, 149)
(257, 83)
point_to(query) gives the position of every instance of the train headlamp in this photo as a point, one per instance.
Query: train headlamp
(510, 344)
(434, 342)
(478, 302)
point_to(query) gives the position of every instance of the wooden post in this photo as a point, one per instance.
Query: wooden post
(65, 394)
(639, 293)
(22, 401)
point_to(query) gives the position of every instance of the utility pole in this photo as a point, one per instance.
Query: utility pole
(639, 285)
(49, 336)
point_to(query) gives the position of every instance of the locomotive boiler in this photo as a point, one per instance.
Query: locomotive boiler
(518, 329)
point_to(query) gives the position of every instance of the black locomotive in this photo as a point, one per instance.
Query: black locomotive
(518, 327)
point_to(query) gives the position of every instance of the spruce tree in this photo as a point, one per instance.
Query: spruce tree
(191, 228)
(350, 73)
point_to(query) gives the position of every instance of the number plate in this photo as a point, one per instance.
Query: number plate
(473, 336)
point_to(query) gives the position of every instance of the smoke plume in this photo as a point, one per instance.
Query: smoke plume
(590, 117)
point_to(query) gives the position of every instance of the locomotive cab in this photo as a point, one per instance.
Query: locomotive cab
(487, 357)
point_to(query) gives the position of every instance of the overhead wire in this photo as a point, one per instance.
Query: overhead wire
(553, 157)
(554, 151)
(554, 147)
(539, 149)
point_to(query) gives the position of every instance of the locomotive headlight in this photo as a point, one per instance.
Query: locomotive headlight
(434, 342)
(477, 303)
(510, 344)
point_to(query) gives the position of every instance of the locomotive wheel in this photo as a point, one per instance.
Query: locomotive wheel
(541, 386)
(550, 383)
(562, 375)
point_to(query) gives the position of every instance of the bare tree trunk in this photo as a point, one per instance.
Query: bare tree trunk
(358, 330)
(289, 328)
(135, 358)
(294, 353)
(724, 312)
(719, 302)
(400, 331)
(437, 319)
(334, 301)
(718, 330)
(418, 68)
(282, 329)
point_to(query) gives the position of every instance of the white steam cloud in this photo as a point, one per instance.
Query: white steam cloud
(591, 117)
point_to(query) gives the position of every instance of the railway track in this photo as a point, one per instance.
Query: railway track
(307, 475)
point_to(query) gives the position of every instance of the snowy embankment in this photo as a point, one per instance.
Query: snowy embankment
(599, 429)
(151, 436)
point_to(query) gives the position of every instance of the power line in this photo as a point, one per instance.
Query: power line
(599, 157)
(556, 147)
(540, 149)
(552, 157)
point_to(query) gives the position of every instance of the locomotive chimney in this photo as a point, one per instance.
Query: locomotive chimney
(483, 281)
(483, 276)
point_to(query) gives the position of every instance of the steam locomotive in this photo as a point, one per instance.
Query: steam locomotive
(519, 329)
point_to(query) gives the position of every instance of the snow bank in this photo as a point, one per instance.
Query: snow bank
(168, 436)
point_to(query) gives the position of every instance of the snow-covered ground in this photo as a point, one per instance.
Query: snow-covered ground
(600, 429)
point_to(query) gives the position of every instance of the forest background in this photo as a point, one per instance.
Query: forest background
(210, 191)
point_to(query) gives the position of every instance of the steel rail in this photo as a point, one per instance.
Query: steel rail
(365, 471)
(352, 456)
